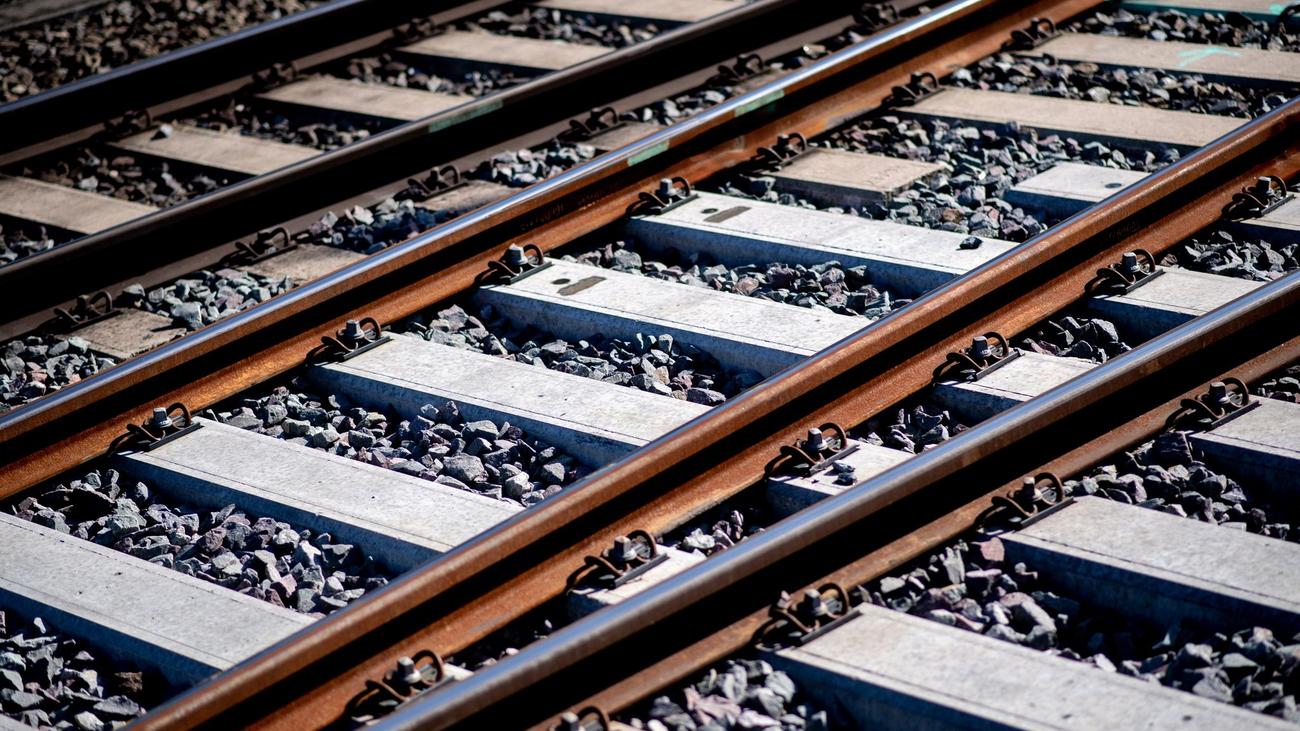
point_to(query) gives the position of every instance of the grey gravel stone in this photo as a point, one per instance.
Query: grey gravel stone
(1216, 29)
(411, 74)
(1014, 603)
(464, 467)
(655, 363)
(52, 680)
(1044, 76)
(830, 285)
(1232, 255)
(368, 230)
(1165, 474)
(258, 556)
(38, 364)
(720, 528)
(913, 428)
(1283, 385)
(739, 693)
(494, 459)
(291, 126)
(521, 168)
(202, 298)
(981, 166)
(44, 55)
(22, 239)
(101, 169)
(563, 26)
(35, 365)
(1088, 338)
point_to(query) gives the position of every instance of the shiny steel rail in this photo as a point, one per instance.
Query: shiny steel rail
(859, 377)
(517, 566)
(522, 563)
(679, 627)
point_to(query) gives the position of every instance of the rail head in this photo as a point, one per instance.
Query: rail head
(526, 210)
(1140, 376)
(1237, 154)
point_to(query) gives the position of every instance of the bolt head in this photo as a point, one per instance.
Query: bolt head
(980, 347)
(160, 417)
(352, 330)
(514, 255)
(406, 670)
(624, 549)
(814, 604)
(816, 441)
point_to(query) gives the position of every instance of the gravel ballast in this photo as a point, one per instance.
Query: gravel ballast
(1042, 76)
(495, 459)
(35, 365)
(1216, 29)
(655, 363)
(1283, 385)
(44, 55)
(737, 694)
(49, 680)
(981, 165)
(205, 296)
(409, 73)
(914, 428)
(253, 119)
(830, 286)
(720, 528)
(558, 25)
(521, 168)
(1167, 474)
(369, 230)
(1235, 255)
(19, 240)
(41, 363)
(102, 170)
(264, 558)
(969, 585)
(1070, 336)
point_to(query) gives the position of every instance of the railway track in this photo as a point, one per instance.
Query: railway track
(166, 289)
(617, 413)
(111, 169)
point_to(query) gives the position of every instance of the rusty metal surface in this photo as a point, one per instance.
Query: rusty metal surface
(92, 262)
(38, 441)
(458, 628)
(916, 543)
(363, 642)
(552, 675)
(466, 157)
(682, 471)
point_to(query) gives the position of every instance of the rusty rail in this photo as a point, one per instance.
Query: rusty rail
(44, 438)
(684, 472)
(523, 563)
(716, 608)
(410, 277)
(190, 228)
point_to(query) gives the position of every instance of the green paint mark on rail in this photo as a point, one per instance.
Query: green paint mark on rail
(648, 153)
(452, 120)
(760, 102)
(1200, 54)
